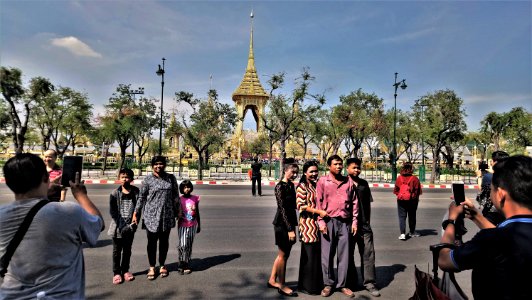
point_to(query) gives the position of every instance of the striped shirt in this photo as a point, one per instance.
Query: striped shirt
(308, 222)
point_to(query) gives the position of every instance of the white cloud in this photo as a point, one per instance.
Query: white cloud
(75, 46)
(406, 36)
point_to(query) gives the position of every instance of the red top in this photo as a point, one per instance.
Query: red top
(412, 181)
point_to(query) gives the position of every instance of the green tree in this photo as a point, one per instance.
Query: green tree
(328, 135)
(119, 120)
(520, 129)
(258, 146)
(445, 114)
(61, 118)
(146, 119)
(208, 125)
(285, 111)
(360, 115)
(17, 98)
(495, 125)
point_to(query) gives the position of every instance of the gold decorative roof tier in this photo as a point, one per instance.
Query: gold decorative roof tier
(250, 85)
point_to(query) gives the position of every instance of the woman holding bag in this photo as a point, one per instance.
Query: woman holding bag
(408, 189)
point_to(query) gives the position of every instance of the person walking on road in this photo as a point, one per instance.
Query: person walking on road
(122, 202)
(189, 225)
(408, 189)
(284, 224)
(335, 195)
(483, 198)
(364, 236)
(256, 166)
(158, 207)
(310, 276)
(48, 261)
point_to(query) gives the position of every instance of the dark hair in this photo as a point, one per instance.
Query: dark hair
(289, 160)
(499, 155)
(483, 166)
(185, 183)
(24, 172)
(308, 164)
(407, 169)
(158, 158)
(514, 174)
(334, 157)
(290, 166)
(126, 171)
(353, 160)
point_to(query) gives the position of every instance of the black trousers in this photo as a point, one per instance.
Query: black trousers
(255, 180)
(163, 238)
(404, 209)
(366, 249)
(122, 254)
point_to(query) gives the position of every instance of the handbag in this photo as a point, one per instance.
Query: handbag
(19, 235)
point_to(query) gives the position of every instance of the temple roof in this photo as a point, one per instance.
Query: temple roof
(250, 85)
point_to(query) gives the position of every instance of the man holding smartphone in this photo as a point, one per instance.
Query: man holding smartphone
(36, 268)
(500, 257)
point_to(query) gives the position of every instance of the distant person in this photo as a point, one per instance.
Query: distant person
(364, 236)
(48, 262)
(189, 225)
(310, 279)
(55, 173)
(336, 196)
(157, 207)
(408, 189)
(501, 257)
(256, 166)
(483, 198)
(284, 225)
(122, 202)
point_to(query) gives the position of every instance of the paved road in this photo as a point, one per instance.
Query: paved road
(233, 255)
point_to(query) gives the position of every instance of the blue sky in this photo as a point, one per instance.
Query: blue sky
(480, 49)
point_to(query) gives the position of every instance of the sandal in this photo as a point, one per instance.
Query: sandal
(128, 276)
(117, 279)
(163, 271)
(151, 274)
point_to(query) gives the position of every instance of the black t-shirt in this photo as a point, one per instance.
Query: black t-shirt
(501, 259)
(255, 169)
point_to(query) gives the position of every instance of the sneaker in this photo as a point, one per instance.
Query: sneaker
(373, 290)
(414, 234)
(402, 237)
(346, 291)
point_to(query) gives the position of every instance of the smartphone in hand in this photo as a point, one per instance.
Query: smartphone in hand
(458, 193)
(71, 166)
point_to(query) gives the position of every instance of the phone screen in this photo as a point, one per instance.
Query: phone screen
(458, 192)
(71, 166)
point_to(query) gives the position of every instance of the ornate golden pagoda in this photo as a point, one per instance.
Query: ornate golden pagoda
(250, 95)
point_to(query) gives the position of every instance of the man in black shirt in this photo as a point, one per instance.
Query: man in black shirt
(256, 176)
(501, 257)
(364, 236)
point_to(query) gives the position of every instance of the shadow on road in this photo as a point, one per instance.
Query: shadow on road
(386, 274)
(202, 264)
(425, 232)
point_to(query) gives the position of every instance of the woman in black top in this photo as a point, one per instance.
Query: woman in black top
(284, 224)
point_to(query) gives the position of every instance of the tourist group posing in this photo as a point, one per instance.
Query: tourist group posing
(334, 215)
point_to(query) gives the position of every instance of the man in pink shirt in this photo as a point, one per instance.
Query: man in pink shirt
(335, 195)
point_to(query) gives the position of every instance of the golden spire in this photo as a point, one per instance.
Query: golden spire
(250, 85)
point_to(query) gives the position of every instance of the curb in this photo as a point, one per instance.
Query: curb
(268, 183)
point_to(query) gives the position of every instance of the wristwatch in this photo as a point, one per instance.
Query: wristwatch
(447, 222)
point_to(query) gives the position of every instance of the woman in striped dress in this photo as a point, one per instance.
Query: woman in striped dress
(310, 276)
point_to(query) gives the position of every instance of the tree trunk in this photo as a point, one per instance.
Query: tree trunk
(435, 165)
(200, 165)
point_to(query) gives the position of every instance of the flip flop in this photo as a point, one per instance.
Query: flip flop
(163, 271)
(117, 279)
(151, 274)
(128, 276)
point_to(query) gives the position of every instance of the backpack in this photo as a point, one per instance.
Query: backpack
(404, 190)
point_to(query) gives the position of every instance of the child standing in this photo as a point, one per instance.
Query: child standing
(189, 225)
(122, 202)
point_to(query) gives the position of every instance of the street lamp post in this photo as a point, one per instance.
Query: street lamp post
(139, 91)
(422, 168)
(403, 86)
(160, 72)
